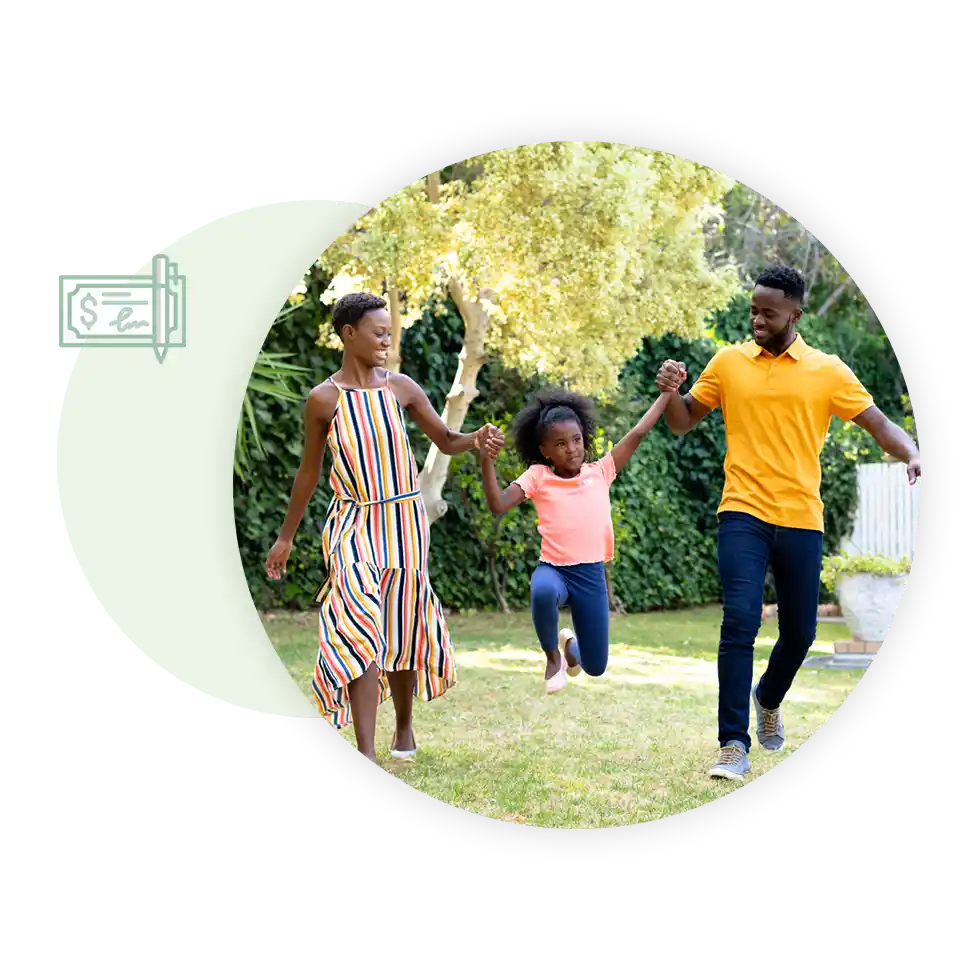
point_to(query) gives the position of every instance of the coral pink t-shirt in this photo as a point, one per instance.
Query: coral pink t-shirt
(574, 513)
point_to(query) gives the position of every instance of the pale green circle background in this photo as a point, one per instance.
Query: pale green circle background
(144, 475)
(144, 457)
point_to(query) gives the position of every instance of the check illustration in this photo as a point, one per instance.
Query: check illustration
(125, 311)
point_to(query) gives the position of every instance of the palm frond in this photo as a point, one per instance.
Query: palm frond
(270, 377)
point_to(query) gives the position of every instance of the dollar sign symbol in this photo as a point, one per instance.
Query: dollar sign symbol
(88, 305)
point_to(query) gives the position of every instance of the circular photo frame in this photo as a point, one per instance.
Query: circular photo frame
(757, 801)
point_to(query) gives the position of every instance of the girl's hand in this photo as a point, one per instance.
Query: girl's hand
(276, 560)
(489, 440)
(496, 441)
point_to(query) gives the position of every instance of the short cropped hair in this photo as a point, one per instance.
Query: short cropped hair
(350, 308)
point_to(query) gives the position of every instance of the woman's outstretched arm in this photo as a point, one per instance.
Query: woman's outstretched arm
(412, 396)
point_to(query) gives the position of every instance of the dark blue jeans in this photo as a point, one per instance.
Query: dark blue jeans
(583, 588)
(745, 547)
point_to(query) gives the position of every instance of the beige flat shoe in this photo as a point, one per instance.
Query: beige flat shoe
(558, 680)
(565, 635)
(402, 754)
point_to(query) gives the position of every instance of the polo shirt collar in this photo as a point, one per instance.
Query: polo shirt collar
(795, 349)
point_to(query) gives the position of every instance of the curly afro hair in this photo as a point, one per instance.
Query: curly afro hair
(783, 278)
(350, 308)
(532, 423)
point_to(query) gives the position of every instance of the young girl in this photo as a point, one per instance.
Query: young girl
(572, 498)
(381, 628)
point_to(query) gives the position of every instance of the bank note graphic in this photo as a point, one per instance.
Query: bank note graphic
(125, 311)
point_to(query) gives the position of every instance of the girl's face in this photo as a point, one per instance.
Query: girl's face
(563, 446)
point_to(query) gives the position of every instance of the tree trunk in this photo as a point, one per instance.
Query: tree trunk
(394, 301)
(499, 592)
(615, 605)
(463, 391)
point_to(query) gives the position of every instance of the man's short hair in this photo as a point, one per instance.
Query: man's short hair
(783, 278)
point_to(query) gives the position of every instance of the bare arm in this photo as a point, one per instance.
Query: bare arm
(682, 412)
(318, 414)
(892, 439)
(631, 440)
(498, 502)
(413, 398)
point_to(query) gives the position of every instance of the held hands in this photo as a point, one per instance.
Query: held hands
(489, 440)
(276, 560)
(671, 375)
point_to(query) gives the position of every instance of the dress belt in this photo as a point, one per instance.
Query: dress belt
(321, 592)
(380, 501)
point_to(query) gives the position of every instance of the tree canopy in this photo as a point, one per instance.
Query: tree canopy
(574, 250)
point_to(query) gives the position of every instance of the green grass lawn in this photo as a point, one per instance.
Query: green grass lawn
(631, 746)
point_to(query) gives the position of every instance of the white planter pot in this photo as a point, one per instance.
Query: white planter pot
(869, 603)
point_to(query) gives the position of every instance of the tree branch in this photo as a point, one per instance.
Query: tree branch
(833, 297)
(811, 268)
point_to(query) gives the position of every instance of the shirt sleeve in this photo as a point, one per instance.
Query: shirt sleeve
(849, 396)
(707, 388)
(607, 468)
(528, 481)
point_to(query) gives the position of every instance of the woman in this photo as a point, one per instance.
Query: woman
(381, 628)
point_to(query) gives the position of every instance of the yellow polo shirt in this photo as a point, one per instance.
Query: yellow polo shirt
(777, 412)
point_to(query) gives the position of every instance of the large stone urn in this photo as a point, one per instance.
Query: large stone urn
(869, 604)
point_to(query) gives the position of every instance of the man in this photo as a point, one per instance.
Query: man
(778, 396)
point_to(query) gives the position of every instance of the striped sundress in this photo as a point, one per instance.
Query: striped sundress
(377, 604)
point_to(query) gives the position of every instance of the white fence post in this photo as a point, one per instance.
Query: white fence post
(887, 514)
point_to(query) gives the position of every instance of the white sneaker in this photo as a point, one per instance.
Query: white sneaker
(565, 635)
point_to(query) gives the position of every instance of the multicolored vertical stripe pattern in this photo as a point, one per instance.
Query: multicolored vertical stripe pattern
(378, 605)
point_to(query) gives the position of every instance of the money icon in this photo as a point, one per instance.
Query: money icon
(88, 305)
(125, 311)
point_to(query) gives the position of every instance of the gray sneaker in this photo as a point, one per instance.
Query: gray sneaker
(771, 732)
(732, 762)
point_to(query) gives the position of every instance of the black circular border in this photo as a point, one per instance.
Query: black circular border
(756, 802)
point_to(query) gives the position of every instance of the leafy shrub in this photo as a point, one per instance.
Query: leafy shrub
(495, 554)
(834, 568)
(664, 501)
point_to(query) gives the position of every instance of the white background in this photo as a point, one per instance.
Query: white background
(149, 825)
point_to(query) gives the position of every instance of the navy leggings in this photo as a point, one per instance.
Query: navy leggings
(583, 588)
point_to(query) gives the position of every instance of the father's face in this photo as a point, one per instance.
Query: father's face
(772, 314)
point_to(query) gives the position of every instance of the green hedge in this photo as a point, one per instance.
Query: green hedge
(664, 501)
